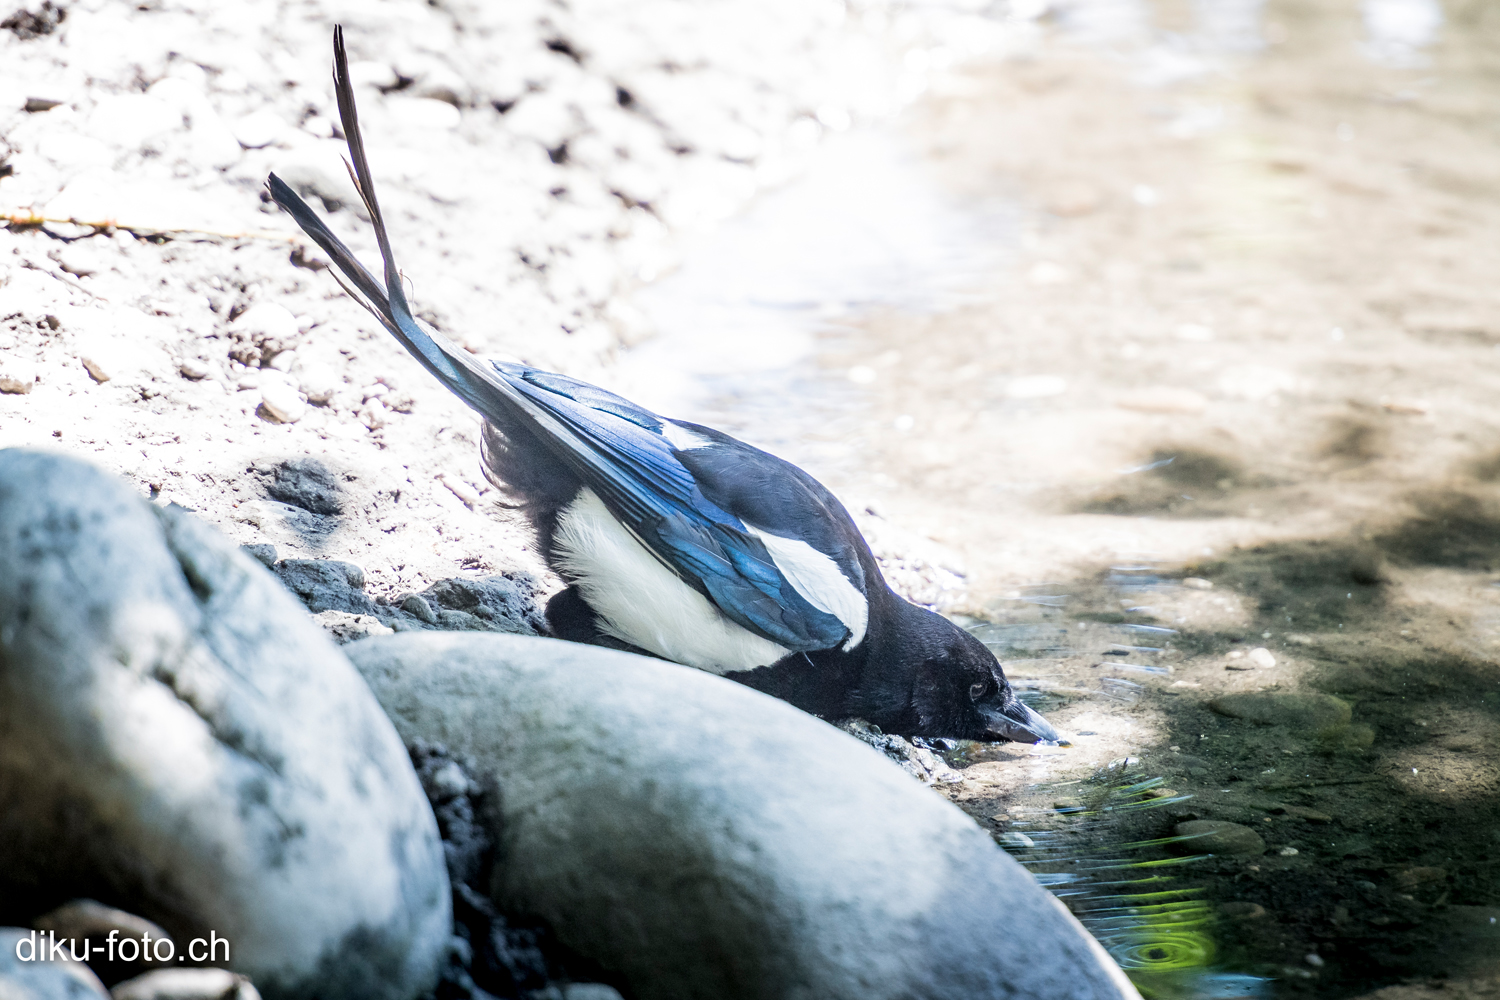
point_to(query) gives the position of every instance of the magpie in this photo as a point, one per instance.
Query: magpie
(682, 542)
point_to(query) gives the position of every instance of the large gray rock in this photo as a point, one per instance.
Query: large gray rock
(28, 973)
(177, 738)
(705, 840)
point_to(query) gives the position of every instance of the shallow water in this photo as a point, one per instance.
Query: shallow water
(1188, 291)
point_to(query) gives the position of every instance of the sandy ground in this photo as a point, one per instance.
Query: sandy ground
(1243, 329)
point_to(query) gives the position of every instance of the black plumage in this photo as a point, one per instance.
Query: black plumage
(679, 540)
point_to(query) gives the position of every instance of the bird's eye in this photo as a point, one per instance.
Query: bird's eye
(976, 691)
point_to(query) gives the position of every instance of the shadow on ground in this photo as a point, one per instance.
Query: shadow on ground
(1382, 857)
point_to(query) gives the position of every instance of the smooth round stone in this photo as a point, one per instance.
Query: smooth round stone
(701, 839)
(281, 401)
(268, 319)
(258, 128)
(318, 382)
(192, 368)
(186, 984)
(25, 974)
(1261, 657)
(1211, 836)
(1303, 712)
(17, 376)
(178, 738)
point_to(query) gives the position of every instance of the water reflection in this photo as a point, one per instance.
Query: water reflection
(863, 227)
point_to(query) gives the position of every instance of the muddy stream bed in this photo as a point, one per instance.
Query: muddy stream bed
(1196, 397)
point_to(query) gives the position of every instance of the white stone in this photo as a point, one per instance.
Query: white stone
(186, 984)
(281, 401)
(1260, 656)
(258, 129)
(193, 368)
(704, 839)
(25, 974)
(17, 375)
(178, 736)
(318, 381)
(268, 319)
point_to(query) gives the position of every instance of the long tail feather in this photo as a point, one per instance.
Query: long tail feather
(473, 381)
(343, 258)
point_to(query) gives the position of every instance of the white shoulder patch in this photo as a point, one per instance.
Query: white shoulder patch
(641, 601)
(820, 582)
(681, 438)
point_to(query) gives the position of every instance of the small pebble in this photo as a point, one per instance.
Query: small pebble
(1307, 712)
(416, 605)
(186, 984)
(1410, 878)
(1016, 840)
(282, 402)
(85, 918)
(16, 377)
(258, 129)
(193, 369)
(1314, 960)
(1197, 583)
(269, 319)
(1208, 836)
(449, 781)
(1262, 657)
(1288, 852)
(462, 490)
(97, 368)
(319, 382)
(262, 552)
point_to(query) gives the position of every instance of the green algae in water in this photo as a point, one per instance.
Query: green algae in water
(1154, 926)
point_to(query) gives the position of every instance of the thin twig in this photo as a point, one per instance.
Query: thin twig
(33, 219)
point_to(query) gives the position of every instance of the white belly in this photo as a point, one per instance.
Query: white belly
(642, 602)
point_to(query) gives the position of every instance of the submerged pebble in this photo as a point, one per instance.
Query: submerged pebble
(1316, 712)
(1211, 836)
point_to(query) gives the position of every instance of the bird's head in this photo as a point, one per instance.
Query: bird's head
(960, 691)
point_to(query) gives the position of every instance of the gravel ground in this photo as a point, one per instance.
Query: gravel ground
(537, 164)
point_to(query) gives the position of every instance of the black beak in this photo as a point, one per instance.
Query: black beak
(1020, 724)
